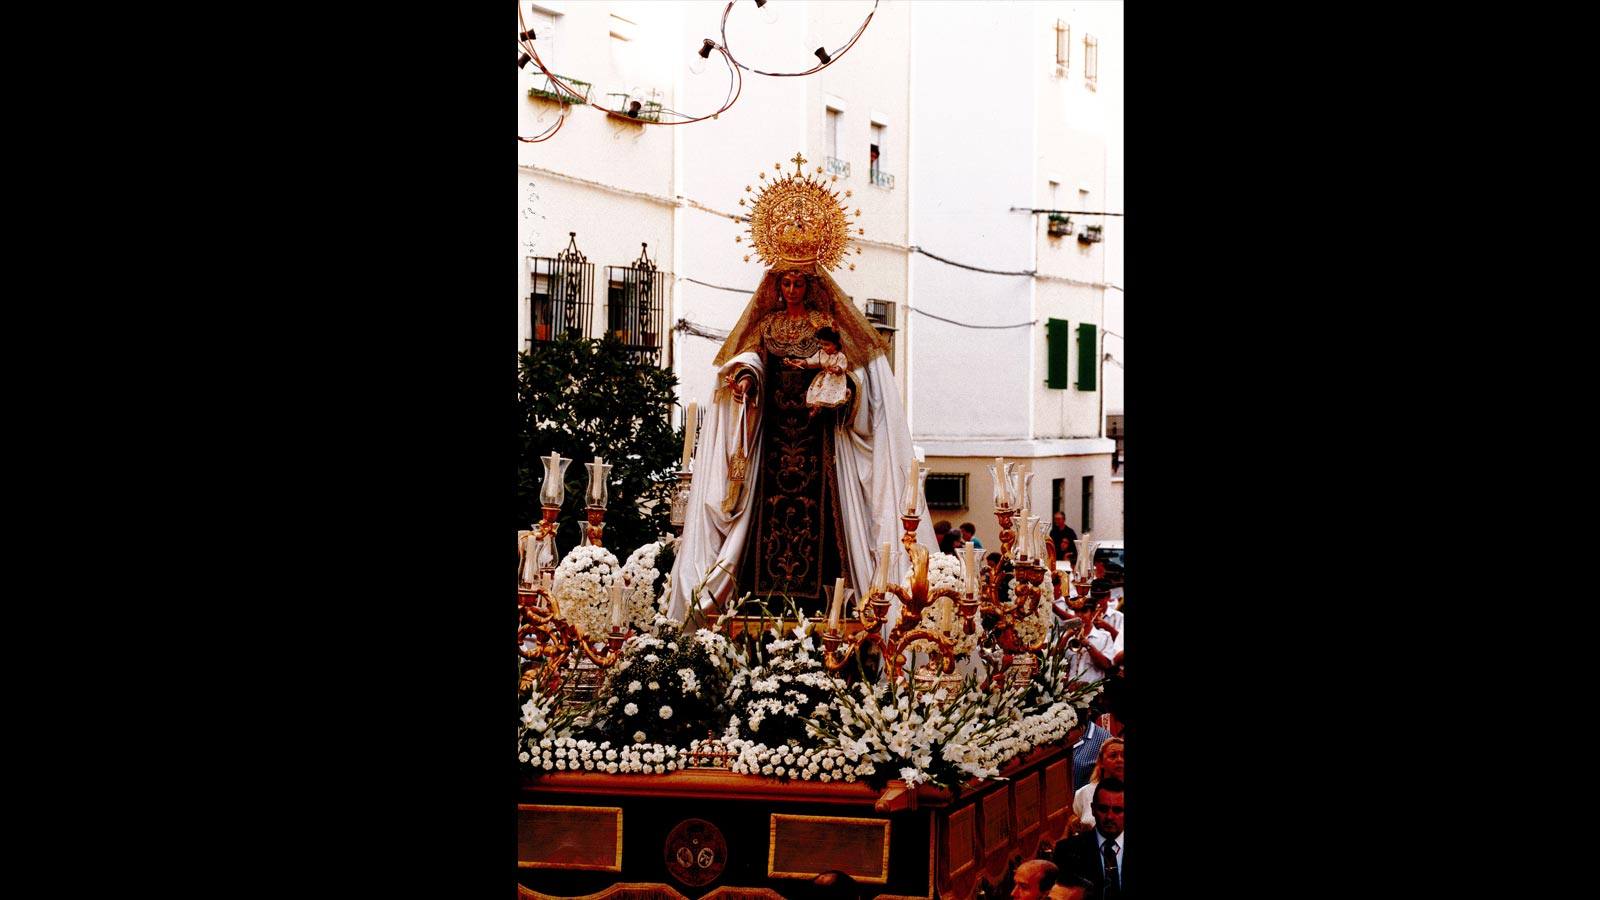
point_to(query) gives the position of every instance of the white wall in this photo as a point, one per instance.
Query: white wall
(970, 119)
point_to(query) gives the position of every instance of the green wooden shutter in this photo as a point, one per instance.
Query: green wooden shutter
(1088, 357)
(1058, 369)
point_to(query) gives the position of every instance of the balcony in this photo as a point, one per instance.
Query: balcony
(882, 179)
(837, 167)
(637, 109)
(550, 91)
(1059, 225)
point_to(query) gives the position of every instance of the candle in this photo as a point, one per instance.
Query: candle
(1022, 533)
(882, 577)
(599, 471)
(911, 489)
(553, 491)
(838, 604)
(616, 605)
(971, 564)
(688, 436)
(545, 581)
(948, 619)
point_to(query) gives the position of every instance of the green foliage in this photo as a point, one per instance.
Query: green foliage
(588, 398)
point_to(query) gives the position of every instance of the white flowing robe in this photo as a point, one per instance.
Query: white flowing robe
(871, 451)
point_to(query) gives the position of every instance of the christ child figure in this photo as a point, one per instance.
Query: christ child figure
(830, 387)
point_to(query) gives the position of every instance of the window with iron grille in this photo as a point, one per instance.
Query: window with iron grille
(947, 490)
(1088, 504)
(1091, 59)
(1063, 47)
(635, 305)
(561, 300)
(1114, 431)
(881, 314)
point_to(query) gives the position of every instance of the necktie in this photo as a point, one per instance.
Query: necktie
(1113, 885)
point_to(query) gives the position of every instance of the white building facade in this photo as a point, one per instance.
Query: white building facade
(943, 117)
(1004, 364)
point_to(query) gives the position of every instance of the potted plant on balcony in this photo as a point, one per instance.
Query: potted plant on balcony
(1060, 225)
(551, 92)
(1091, 234)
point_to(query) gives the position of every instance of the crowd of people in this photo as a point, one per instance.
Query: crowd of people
(954, 537)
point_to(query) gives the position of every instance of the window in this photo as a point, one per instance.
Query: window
(881, 314)
(1091, 59)
(1088, 505)
(830, 134)
(1088, 357)
(1114, 431)
(1063, 47)
(562, 294)
(1058, 372)
(875, 149)
(1055, 195)
(634, 308)
(1058, 497)
(946, 490)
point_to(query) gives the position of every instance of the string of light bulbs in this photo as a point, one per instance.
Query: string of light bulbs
(570, 96)
(824, 58)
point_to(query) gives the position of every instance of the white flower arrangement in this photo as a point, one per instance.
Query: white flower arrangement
(781, 697)
(642, 602)
(944, 571)
(933, 738)
(582, 586)
(822, 764)
(671, 688)
(1032, 630)
(569, 755)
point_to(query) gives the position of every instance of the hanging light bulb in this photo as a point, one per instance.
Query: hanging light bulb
(767, 11)
(700, 58)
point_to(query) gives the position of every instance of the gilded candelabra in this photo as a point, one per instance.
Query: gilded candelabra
(544, 637)
(915, 598)
(553, 638)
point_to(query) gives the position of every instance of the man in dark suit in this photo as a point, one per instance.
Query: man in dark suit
(1093, 859)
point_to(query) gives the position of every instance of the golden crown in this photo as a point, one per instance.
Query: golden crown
(797, 221)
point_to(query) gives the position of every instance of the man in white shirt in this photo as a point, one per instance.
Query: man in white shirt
(1091, 661)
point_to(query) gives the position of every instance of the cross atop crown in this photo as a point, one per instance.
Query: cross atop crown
(798, 162)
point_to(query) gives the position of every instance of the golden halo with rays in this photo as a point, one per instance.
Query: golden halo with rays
(797, 221)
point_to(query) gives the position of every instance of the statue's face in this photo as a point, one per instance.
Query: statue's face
(792, 287)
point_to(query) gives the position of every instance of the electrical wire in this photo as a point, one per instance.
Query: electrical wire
(950, 262)
(698, 330)
(967, 325)
(525, 41)
(719, 287)
(832, 57)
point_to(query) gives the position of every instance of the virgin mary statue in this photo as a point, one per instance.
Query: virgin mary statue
(788, 496)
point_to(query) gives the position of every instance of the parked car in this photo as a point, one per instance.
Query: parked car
(1110, 553)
